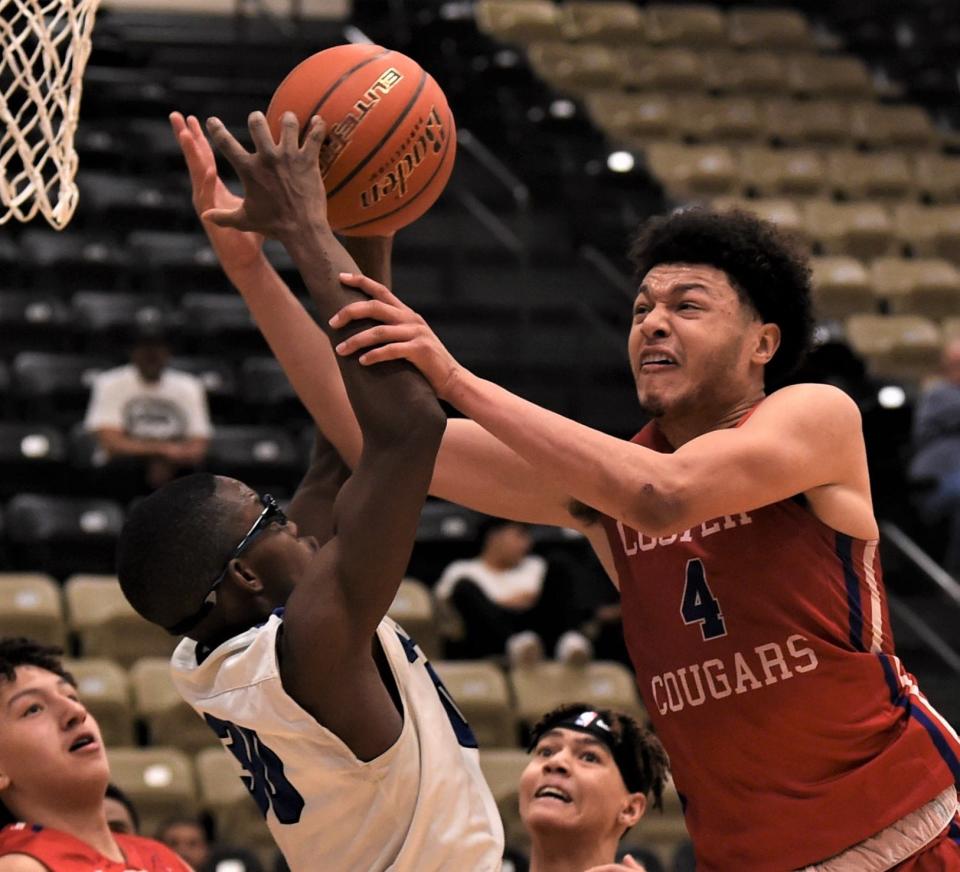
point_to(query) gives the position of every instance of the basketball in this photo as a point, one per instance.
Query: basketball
(391, 139)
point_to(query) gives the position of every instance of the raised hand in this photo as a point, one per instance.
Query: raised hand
(401, 334)
(237, 250)
(283, 189)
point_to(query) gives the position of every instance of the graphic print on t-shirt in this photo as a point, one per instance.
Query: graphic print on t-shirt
(153, 418)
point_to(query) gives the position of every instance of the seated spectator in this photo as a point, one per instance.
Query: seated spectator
(54, 775)
(122, 816)
(149, 414)
(187, 837)
(500, 598)
(591, 777)
(935, 468)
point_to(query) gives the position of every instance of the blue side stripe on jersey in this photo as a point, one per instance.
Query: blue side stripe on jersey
(954, 832)
(845, 553)
(891, 678)
(939, 740)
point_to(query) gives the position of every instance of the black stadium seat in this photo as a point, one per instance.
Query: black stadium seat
(267, 392)
(99, 312)
(63, 535)
(259, 456)
(33, 320)
(32, 456)
(56, 387)
(220, 324)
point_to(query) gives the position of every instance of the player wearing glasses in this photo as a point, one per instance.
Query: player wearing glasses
(343, 734)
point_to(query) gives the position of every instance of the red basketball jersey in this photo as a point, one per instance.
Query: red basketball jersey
(61, 852)
(763, 652)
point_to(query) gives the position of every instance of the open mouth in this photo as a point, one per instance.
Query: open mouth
(553, 793)
(81, 742)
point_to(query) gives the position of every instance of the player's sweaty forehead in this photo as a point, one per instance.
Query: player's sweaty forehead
(671, 278)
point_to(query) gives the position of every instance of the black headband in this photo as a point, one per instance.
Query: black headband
(593, 724)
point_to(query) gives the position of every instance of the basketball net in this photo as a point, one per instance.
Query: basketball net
(46, 44)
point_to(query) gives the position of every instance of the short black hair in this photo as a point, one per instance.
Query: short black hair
(173, 546)
(114, 792)
(489, 524)
(18, 651)
(180, 820)
(765, 266)
(628, 739)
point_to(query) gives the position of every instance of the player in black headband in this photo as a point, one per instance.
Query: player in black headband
(590, 778)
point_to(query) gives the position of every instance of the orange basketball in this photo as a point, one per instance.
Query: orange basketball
(390, 141)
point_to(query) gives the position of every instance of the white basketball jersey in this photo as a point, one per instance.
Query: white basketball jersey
(422, 805)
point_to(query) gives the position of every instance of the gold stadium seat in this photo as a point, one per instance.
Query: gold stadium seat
(814, 122)
(660, 832)
(480, 690)
(502, 768)
(879, 126)
(900, 346)
(30, 605)
(930, 231)
(715, 119)
(752, 72)
(159, 782)
(768, 28)
(413, 609)
(925, 286)
(938, 177)
(169, 720)
(793, 172)
(522, 23)
(841, 287)
(951, 329)
(105, 690)
(812, 75)
(859, 229)
(693, 170)
(609, 21)
(576, 68)
(544, 686)
(885, 175)
(224, 795)
(634, 118)
(107, 625)
(660, 69)
(689, 24)
(782, 212)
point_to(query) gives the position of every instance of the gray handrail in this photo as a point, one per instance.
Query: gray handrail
(469, 143)
(921, 560)
(934, 641)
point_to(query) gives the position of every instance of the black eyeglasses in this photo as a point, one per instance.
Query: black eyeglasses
(271, 514)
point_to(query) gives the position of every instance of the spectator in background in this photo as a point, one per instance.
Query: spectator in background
(498, 597)
(187, 837)
(122, 815)
(935, 468)
(147, 413)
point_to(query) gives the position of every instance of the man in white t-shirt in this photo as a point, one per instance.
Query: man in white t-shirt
(146, 411)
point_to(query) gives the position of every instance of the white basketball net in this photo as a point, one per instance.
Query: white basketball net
(46, 44)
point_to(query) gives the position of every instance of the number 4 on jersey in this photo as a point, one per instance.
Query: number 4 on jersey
(699, 604)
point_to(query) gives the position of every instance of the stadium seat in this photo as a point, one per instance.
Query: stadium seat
(221, 323)
(951, 328)
(782, 212)
(929, 231)
(794, 172)
(173, 262)
(30, 605)
(412, 608)
(832, 76)
(32, 457)
(104, 689)
(441, 521)
(68, 260)
(693, 170)
(544, 686)
(33, 321)
(720, 119)
(134, 200)
(856, 176)
(158, 781)
(753, 72)
(841, 287)
(169, 720)
(769, 28)
(222, 792)
(480, 690)
(611, 21)
(56, 387)
(878, 126)
(924, 286)
(575, 68)
(643, 68)
(264, 386)
(61, 535)
(897, 346)
(106, 624)
(254, 454)
(691, 24)
(861, 230)
(813, 122)
(502, 768)
(97, 312)
(634, 118)
(938, 177)
(522, 23)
